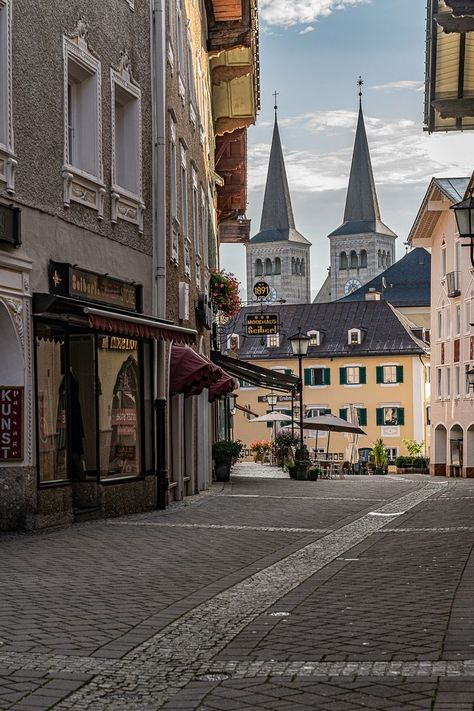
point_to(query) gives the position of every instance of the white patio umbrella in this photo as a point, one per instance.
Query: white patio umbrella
(272, 417)
(331, 423)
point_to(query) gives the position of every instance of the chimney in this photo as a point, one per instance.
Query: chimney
(373, 295)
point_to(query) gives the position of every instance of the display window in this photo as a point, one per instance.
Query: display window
(93, 419)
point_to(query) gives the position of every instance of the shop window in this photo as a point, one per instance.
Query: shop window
(119, 411)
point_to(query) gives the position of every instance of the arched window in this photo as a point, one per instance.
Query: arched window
(379, 258)
(363, 259)
(277, 269)
(258, 267)
(297, 265)
(303, 267)
(389, 259)
(354, 261)
(293, 265)
(343, 263)
(383, 259)
(268, 266)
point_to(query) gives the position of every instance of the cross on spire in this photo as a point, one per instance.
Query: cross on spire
(360, 83)
(275, 94)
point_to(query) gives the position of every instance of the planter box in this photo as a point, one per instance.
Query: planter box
(222, 471)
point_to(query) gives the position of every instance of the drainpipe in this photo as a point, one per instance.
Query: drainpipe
(158, 72)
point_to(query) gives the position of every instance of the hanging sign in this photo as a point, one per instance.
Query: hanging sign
(261, 290)
(262, 324)
(11, 424)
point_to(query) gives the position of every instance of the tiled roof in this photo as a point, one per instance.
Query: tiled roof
(408, 281)
(384, 330)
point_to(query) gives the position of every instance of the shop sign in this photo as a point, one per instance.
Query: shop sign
(281, 398)
(66, 280)
(261, 290)
(262, 324)
(10, 225)
(11, 424)
(117, 343)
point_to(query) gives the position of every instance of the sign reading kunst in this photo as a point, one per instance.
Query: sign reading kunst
(11, 424)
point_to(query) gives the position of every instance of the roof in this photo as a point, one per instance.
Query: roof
(324, 293)
(385, 331)
(362, 212)
(408, 281)
(277, 223)
(440, 190)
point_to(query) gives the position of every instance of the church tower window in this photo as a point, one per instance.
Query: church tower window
(258, 267)
(389, 259)
(354, 260)
(268, 266)
(277, 268)
(303, 268)
(343, 263)
(363, 259)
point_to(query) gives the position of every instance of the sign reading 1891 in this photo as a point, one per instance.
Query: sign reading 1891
(262, 324)
(261, 290)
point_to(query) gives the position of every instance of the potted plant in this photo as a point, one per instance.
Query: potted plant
(259, 449)
(290, 465)
(379, 454)
(224, 454)
(283, 444)
(302, 464)
(224, 289)
(313, 474)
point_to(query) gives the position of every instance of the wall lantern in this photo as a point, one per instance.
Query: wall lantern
(464, 213)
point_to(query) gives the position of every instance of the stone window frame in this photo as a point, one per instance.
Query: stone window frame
(80, 186)
(180, 51)
(127, 205)
(174, 221)
(192, 95)
(8, 161)
(350, 333)
(314, 338)
(184, 177)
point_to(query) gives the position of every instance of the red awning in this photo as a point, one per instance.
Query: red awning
(136, 326)
(223, 386)
(191, 372)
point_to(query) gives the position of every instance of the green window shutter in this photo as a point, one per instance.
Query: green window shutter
(327, 411)
(343, 413)
(363, 375)
(362, 411)
(241, 382)
(343, 376)
(288, 371)
(380, 416)
(399, 373)
(379, 370)
(401, 415)
(308, 373)
(326, 376)
(287, 412)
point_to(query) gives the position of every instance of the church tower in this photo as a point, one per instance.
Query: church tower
(278, 253)
(362, 247)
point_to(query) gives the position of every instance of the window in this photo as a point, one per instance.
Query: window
(428, 373)
(245, 384)
(439, 383)
(82, 172)
(195, 196)
(392, 454)
(204, 227)
(258, 267)
(361, 413)
(389, 259)
(191, 84)
(7, 161)
(443, 262)
(440, 325)
(428, 415)
(389, 374)
(184, 192)
(277, 269)
(317, 376)
(354, 337)
(448, 322)
(317, 410)
(127, 203)
(457, 381)
(302, 268)
(352, 375)
(363, 259)
(390, 416)
(448, 382)
(353, 260)
(180, 48)
(458, 255)
(315, 338)
(458, 319)
(173, 170)
(268, 266)
(467, 316)
(343, 262)
(379, 258)
(273, 341)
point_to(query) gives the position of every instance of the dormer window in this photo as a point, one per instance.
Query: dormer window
(354, 337)
(315, 338)
(273, 341)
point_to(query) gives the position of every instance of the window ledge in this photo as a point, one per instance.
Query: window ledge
(389, 385)
(317, 387)
(8, 164)
(352, 385)
(128, 207)
(84, 189)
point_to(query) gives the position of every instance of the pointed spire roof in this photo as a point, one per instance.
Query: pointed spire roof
(361, 200)
(278, 222)
(277, 212)
(362, 212)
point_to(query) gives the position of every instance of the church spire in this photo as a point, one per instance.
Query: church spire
(361, 200)
(277, 213)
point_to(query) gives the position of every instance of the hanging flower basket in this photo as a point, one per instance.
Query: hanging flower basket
(225, 292)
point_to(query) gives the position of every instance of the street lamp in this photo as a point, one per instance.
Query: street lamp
(464, 213)
(299, 346)
(272, 399)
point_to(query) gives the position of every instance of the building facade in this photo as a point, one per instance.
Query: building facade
(362, 356)
(452, 338)
(278, 253)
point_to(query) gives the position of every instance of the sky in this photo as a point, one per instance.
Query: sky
(312, 53)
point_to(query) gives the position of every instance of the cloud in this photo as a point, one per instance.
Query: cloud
(401, 154)
(286, 14)
(409, 84)
(307, 29)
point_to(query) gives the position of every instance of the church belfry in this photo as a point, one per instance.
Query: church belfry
(362, 247)
(278, 253)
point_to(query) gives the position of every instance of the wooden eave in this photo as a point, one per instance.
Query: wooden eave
(234, 231)
(231, 165)
(434, 204)
(226, 32)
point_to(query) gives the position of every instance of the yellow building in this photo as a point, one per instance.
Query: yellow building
(361, 354)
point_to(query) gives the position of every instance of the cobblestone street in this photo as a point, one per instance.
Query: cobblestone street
(265, 593)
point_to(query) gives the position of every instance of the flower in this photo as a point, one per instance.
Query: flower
(224, 289)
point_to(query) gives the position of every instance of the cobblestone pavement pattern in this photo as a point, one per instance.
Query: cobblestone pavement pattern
(266, 593)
